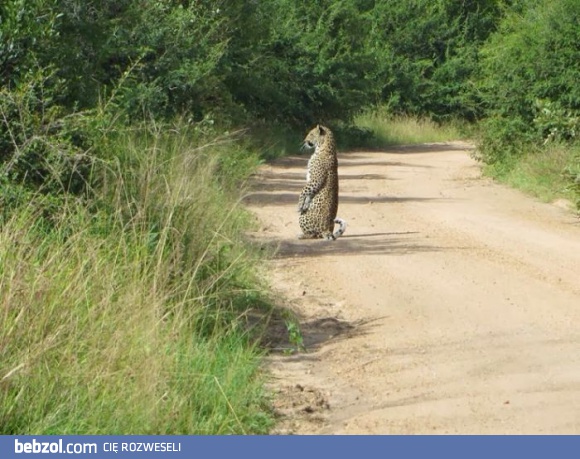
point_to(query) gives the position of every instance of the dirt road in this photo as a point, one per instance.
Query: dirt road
(450, 305)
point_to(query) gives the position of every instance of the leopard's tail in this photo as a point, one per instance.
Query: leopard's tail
(342, 227)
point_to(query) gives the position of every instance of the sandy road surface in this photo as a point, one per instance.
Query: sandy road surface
(450, 305)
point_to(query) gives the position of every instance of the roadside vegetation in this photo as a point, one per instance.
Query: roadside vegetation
(127, 133)
(386, 129)
(125, 313)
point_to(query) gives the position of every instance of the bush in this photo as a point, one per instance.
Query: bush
(502, 138)
(556, 124)
(529, 77)
(44, 148)
(428, 54)
(572, 175)
(313, 63)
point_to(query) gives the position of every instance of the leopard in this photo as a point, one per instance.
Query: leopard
(318, 201)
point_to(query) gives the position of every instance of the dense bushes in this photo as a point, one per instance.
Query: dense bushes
(529, 81)
(314, 62)
(291, 61)
(428, 54)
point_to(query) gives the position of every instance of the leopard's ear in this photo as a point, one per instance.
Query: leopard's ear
(321, 129)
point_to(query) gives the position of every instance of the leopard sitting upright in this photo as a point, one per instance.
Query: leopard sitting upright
(318, 202)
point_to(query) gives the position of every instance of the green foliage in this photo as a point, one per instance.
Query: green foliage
(531, 98)
(43, 147)
(311, 64)
(26, 27)
(529, 77)
(71, 68)
(126, 315)
(572, 175)
(556, 124)
(500, 139)
(177, 68)
(428, 54)
(295, 337)
(285, 61)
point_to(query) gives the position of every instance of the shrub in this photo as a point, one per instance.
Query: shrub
(555, 123)
(44, 148)
(428, 52)
(529, 77)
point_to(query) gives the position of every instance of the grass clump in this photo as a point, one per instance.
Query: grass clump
(549, 172)
(544, 173)
(387, 129)
(124, 314)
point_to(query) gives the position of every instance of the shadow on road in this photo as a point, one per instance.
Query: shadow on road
(344, 160)
(313, 332)
(268, 198)
(392, 244)
(283, 188)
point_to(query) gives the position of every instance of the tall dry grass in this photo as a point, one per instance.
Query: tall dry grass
(123, 315)
(388, 129)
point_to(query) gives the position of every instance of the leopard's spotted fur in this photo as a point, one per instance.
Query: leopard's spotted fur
(318, 202)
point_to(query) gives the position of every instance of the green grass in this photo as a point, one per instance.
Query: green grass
(388, 130)
(544, 173)
(128, 318)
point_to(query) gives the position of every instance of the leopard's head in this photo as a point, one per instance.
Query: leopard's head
(315, 137)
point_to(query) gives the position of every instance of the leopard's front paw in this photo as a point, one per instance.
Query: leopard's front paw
(304, 205)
